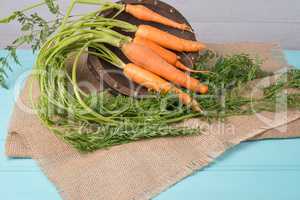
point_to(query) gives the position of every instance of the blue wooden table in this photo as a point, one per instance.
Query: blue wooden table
(264, 170)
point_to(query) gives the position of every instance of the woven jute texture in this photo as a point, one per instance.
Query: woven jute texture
(143, 169)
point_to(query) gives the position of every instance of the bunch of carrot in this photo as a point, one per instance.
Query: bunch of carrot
(149, 50)
(153, 64)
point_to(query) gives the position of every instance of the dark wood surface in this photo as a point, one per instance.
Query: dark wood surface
(111, 76)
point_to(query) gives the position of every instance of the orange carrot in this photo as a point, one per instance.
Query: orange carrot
(169, 56)
(154, 82)
(149, 60)
(168, 40)
(143, 13)
(146, 78)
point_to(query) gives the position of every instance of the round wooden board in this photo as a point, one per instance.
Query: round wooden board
(112, 77)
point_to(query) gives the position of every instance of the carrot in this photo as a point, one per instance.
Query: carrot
(169, 56)
(154, 82)
(168, 40)
(149, 60)
(143, 13)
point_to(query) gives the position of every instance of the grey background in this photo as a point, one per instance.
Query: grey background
(213, 20)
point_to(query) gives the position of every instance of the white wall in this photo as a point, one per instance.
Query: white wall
(214, 20)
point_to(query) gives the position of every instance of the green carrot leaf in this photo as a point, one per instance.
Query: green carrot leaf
(27, 27)
(2, 82)
(10, 18)
(53, 7)
(4, 65)
(13, 54)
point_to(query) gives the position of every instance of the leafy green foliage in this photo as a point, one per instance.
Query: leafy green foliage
(229, 71)
(53, 7)
(3, 68)
(10, 18)
(235, 70)
(277, 91)
(228, 81)
(35, 31)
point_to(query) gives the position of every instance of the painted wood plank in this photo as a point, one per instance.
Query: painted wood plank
(218, 21)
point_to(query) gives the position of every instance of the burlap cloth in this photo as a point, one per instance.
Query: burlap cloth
(141, 170)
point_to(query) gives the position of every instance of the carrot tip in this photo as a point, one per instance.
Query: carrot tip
(196, 108)
(189, 29)
(203, 71)
(185, 68)
(186, 27)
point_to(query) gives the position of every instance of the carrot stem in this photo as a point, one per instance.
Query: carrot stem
(76, 88)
